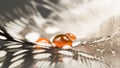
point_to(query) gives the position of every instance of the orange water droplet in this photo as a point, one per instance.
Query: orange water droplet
(62, 40)
(71, 36)
(43, 40)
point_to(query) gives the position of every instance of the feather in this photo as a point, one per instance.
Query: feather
(94, 22)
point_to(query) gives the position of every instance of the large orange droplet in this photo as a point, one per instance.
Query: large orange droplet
(71, 36)
(62, 40)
